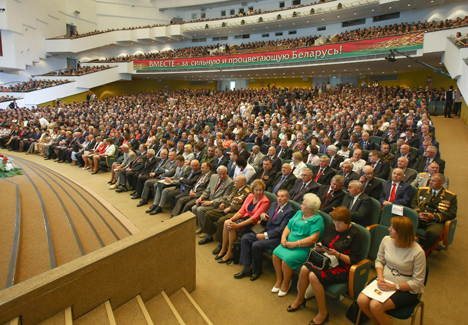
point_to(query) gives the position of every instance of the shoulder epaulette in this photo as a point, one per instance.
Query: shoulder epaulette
(424, 188)
(450, 192)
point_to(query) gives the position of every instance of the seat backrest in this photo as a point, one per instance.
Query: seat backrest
(249, 146)
(366, 241)
(414, 192)
(309, 166)
(375, 139)
(271, 197)
(376, 211)
(327, 220)
(296, 206)
(377, 234)
(287, 161)
(387, 216)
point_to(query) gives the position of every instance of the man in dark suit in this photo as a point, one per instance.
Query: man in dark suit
(135, 168)
(303, 186)
(411, 139)
(429, 156)
(143, 174)
(410, 174)
(267, 174)
(366, 143)
(404, 152)
(243, 151)
(284, 152)
(219, 160)
(358, 203)
(348, 173)
(191, 193)
(283, 180)
(231, 166)
(335, 159)
(323, 173)
(396, 191)
(146, 183)
(372, 186)
(91, 146)
(253, 245)
(275, 161)
(381, 167)
(302, 148)
(331, 195)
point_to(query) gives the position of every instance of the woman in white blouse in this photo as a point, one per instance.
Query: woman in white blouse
(297, 164)
(313, 158)
(110, 151)
(401, 267)
(188, 153)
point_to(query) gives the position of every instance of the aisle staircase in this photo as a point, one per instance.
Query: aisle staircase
(179, 309)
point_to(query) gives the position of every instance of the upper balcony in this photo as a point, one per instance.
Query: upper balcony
(302, 16)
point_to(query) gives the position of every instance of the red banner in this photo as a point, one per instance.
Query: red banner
(373, 46)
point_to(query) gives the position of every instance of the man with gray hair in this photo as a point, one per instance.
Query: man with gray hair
(256, 157)
(348, 173)
(128, 157)
(335, 159)
(331, 195)
(323, 172)
(220, 184)
(410, 175)
(358, 203)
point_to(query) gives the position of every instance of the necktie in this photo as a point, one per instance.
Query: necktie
(263, 175)
(365, 145)
(427, 164)
(182, 187)
(276, 212)
(434, 194)
(281, 151)
(300, 192)
(217, 187)
(364, 186)
(392, 194)
(351, 203)
(279, 184)
(373, 165)
(326, 198)
(295, 144)
(318, 175)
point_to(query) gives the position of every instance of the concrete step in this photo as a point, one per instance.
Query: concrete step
(62, 318)
(188, 309)
(130, 313)
(162, 311)
(96, 316)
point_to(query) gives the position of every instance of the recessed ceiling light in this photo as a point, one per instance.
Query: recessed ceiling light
(389, 7)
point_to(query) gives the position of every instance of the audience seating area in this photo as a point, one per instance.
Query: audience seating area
(32, 85)
(80, 71)
(347, 36)
(266, 122)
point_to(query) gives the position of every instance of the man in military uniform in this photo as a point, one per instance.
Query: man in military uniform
(386, 155)
(435, 205)
(224, 209)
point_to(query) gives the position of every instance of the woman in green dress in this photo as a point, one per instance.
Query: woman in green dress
(303, 231)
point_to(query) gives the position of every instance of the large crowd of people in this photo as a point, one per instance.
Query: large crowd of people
(78, 71)
(6, 98)
(32, 85)
(306, 41)
(74, 33)
(216, 153)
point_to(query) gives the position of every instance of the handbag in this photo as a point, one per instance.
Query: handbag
(353, 312)
(258, 229)
(321, 261)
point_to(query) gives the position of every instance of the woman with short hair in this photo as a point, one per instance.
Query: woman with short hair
(303, 230)
(342, 240)
(254, 205)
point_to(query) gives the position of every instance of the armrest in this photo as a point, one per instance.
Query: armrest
(358, 276)
(449, 231)
(371, 227)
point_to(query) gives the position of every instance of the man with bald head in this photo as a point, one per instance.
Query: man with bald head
(395, 191)
(275, 161)
(405, 151)
(372, 186)
(410, 175)
(284, 180)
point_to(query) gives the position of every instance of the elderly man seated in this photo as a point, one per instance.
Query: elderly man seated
(372, 186)
(358, 163)
(434, 205)
(358, 203)
(254, 244)
(395, 191)
(423, 179)
(348, 173)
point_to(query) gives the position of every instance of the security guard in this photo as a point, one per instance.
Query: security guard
(434, 205)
